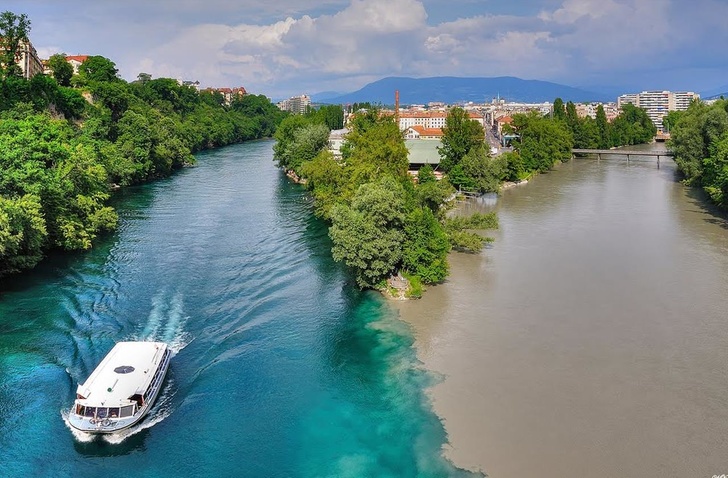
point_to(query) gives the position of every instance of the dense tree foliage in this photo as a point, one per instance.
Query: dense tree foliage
(545, 140)
(62, 70)
(61, 154)
(632, 126)
(699, 139)
(382, 222)
(14, 30)
(459, 136)
(542, 141)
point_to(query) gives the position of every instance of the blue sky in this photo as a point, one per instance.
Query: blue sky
(287, 47)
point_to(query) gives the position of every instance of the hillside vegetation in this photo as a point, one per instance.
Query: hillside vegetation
(66, 140)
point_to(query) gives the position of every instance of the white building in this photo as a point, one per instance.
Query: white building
(296, 104)
(27, 59)
(76, 61)
(658, 103)
(430, 119)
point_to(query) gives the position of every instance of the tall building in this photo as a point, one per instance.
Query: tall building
(296, 104)
(658, 103)
(27, 59)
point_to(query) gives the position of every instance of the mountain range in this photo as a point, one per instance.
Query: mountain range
(448, 89)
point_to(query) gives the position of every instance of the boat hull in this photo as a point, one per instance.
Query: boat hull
(100, 426)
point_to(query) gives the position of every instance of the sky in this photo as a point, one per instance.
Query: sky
(282, 48)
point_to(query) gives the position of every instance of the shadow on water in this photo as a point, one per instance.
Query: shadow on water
(713, 214)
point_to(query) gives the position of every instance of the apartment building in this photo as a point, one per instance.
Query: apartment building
(658, 103)
(27, 59)
(296, 104)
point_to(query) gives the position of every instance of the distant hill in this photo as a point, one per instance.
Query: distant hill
(715, 93)
(325, 95)
(454, 89)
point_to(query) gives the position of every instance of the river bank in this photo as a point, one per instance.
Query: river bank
(587, 341)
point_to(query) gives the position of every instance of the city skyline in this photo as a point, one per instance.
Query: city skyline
(306, 46)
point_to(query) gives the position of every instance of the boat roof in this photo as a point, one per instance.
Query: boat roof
(126, 370)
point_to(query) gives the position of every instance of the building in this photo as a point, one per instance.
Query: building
(590, 109)
(228, 94)
(420, 153)
(296, 104)
(75, 61)
(658, 103)
(336, 140)
(420, 132)
(192, 84)
(27, 59)
(430, 119)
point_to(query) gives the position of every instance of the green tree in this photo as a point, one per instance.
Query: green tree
(426, 175)
(367, 236)
(460, 135)
(558, 109)
(307, 143)
(515, 171)
(330, 115)
(426, 246)
(285, 136)
(715, 171)
(23, 233)
(14, 30)
(542, 141)
(98, 68)
(62, 70)
(484, 173)
(602, 128)
(326, 178)
(374, 149)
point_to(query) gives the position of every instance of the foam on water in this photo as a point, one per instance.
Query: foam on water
(80, 436)
(166, 322)
(161, 410)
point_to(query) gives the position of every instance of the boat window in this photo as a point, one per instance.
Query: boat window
(102, 412)
(90, 411)
(124, 369)
(113, 412)
(80, 409)
(127, 411)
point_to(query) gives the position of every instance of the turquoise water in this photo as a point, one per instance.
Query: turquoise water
(282, 368)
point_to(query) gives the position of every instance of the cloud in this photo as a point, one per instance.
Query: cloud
(295, 46)
(365, 38)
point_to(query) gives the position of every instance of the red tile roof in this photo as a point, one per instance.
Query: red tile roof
(78, 58)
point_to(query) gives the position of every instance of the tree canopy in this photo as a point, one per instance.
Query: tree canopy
(699, 140)
(14, 30)
(60, 155)
(459, 136)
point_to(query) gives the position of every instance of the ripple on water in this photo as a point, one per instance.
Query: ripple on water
(280, 368)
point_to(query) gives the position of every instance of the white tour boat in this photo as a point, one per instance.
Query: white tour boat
(122, 389)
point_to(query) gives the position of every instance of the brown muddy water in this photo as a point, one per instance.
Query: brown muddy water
(591, 339)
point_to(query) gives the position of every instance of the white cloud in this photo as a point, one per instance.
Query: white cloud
(289, 47)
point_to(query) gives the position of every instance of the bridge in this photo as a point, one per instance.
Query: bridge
(623, 152)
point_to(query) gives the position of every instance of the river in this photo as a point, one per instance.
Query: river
(591, 339)
(281, 367)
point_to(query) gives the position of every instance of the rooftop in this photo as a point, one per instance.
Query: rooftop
(127, 370)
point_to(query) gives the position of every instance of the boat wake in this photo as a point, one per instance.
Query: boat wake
(166, 322)
(80, 436)
(160, 411)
